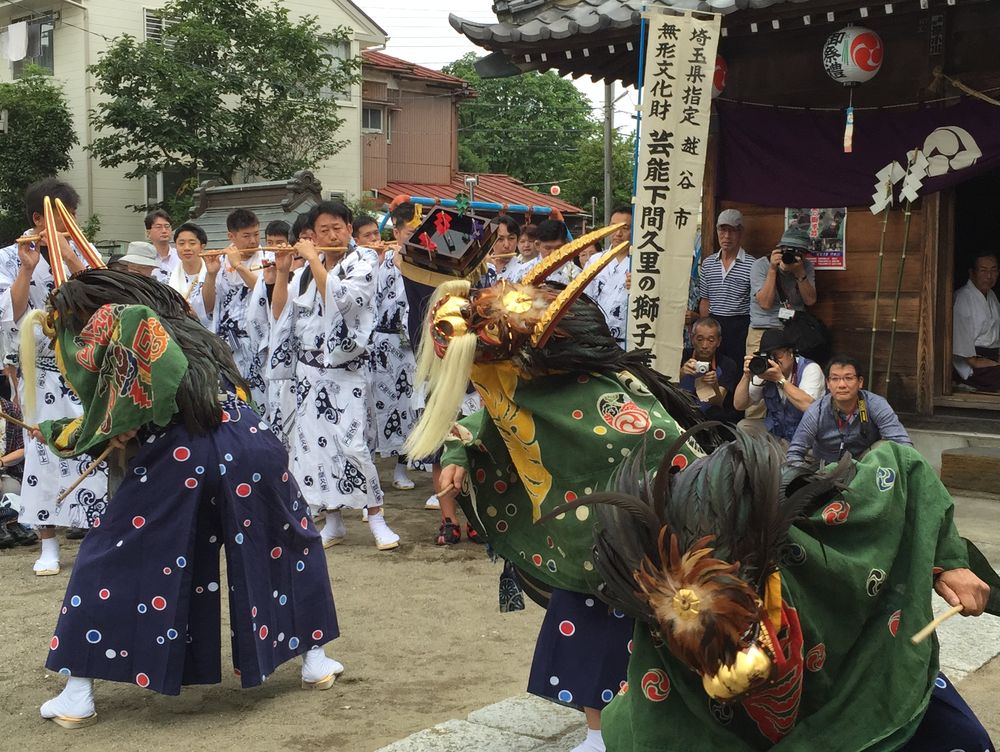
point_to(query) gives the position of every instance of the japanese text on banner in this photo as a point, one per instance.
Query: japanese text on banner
(673, 144)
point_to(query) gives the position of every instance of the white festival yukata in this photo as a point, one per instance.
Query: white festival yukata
(279, 404)
(47, 476)
(609, 292)
(232, 303)
(391, 362)
(190, 286)
(322, 345)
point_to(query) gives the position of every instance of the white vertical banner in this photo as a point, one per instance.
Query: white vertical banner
(673, 145)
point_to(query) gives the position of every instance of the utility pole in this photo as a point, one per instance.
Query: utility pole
(609, 129)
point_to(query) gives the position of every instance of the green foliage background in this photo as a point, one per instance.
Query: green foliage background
(235, 90)
(37, 143)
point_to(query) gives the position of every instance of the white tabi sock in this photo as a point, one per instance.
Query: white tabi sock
(317, 665)
(334, 527)
(75, 701)
(593, 743)
(50, 549)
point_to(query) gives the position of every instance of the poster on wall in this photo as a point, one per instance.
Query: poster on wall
(827, 229)
(673, 138)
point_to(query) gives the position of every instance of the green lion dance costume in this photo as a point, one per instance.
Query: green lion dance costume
(773, 607)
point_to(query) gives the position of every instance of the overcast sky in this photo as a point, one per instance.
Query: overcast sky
(419, 32)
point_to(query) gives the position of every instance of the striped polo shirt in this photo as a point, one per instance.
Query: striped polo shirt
(728, 292)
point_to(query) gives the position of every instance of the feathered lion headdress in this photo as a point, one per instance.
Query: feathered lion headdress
(466, 326)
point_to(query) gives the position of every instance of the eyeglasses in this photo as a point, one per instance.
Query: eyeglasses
(841, 379)
(160, 226)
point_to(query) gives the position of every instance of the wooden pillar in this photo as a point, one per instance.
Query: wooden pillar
(709, 198)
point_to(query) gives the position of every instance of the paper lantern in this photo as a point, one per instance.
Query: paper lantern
(555, 190)
(853, 55)
(719, 79)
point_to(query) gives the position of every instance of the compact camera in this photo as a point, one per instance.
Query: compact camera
(701, 367)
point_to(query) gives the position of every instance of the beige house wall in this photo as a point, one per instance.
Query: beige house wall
(78, 42)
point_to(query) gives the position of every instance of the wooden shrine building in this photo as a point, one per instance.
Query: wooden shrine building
(777, 137)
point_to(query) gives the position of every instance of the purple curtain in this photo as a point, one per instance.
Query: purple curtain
(774, 157)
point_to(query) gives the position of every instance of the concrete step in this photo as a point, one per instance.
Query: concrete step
(971, 469)
(932, 442)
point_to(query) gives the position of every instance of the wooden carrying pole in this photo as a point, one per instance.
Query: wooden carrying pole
(878, 288)
(899, 288)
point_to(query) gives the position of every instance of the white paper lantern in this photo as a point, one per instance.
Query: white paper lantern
(719, 79)
(853, 55)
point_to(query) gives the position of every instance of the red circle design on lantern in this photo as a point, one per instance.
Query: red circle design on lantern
(866, 51)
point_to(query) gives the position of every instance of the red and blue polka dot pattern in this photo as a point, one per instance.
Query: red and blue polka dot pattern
(142, 604)
(581, 656)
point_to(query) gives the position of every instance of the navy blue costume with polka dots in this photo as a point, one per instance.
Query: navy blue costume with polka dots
(143, 602)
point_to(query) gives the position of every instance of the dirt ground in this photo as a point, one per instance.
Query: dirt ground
(422, 642)
(421, 639)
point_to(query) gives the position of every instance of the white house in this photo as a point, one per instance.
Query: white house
(66, 36)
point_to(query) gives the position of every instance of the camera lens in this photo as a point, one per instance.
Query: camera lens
(789, 257)
(758, 364)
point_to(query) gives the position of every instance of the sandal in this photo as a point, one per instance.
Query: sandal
(448, 534)
(473, 535)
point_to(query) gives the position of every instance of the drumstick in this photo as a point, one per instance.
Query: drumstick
(937, 622)
(16, 422)
(89, 471)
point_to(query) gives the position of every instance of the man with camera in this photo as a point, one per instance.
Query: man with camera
(848, 419)
(708, 374)
(783, 381)
(780, 285)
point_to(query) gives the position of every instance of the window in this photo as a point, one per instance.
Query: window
(154, 25)
(371, 119)
(340, 51)
(388, 126)
(40, 49)
(164, 185)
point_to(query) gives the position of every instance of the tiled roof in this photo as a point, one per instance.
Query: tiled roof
(493, 187)
(523, 21)
(410, 70)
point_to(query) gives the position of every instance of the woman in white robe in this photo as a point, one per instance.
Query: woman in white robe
(47, 476)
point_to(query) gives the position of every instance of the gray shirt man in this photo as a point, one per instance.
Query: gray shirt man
(828, 433)
(761, 318)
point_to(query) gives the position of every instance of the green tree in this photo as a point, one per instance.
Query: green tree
(36, 145)
(586, 174)
(234, 90)
(529, 126)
